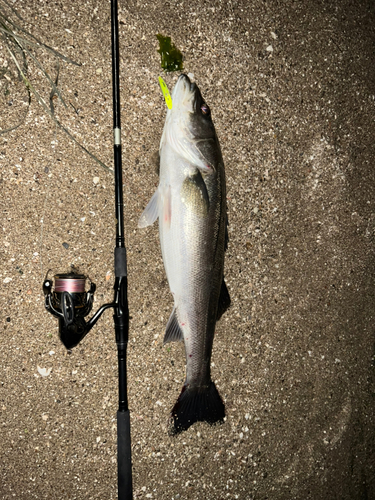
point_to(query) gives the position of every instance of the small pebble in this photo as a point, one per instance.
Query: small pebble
(44, 372)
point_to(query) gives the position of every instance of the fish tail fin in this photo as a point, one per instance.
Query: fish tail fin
(197, 404)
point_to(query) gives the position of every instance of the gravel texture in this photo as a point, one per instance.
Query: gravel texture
(291, 86)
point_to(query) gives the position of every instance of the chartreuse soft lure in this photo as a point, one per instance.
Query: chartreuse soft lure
(166, 94)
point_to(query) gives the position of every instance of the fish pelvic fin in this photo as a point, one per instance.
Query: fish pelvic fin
(197, 404)
(173, 332)
(224, 301)
(151, 212)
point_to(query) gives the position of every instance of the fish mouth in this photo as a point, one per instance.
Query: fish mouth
(187, 82)
(184, 93)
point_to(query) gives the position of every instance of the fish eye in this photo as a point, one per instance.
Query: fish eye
(205, 109)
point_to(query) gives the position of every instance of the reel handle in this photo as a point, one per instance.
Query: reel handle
(67, 308)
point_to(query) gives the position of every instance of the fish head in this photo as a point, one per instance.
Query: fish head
(189, 129)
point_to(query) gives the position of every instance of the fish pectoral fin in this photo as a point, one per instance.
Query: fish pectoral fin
(173, 332)
(151, 212)
(224, 301)
(194, 194)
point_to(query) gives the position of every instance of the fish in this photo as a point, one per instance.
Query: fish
(190, 204)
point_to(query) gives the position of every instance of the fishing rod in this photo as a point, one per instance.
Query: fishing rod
(67, 299)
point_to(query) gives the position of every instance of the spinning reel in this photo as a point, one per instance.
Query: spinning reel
(68, 300)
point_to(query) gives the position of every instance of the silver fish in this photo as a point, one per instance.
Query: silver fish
(190, 203)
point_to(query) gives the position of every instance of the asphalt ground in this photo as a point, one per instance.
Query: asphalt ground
(291, 87)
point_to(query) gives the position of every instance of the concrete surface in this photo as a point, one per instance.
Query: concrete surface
(291, 86)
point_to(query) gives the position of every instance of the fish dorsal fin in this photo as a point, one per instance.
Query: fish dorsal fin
(194, 194)
(173, 332)
(224, 301)
(151, 212)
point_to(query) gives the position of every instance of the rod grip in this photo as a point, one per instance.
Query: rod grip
(125, 486)
(120, 262)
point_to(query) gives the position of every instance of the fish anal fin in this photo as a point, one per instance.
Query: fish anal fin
(173, 332)
(224, 301)
(151, 212)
